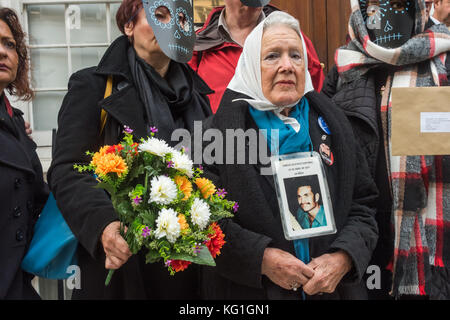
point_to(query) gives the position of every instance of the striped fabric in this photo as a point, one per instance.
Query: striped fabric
(420, 184)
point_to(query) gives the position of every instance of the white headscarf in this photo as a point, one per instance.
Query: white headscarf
(247, 78)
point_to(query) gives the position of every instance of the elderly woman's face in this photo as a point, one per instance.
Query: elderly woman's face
(282, 65)
(144, 40)
(9, 59)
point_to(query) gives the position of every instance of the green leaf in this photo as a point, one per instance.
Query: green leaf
(106, 186)
(220, 214)
(124, 192)
(148, 218)
(152, 171)
(152, 256)
(135, 172)
(204, 257)
(125, 211)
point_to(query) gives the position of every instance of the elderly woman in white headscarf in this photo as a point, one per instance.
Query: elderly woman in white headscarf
(272, 90)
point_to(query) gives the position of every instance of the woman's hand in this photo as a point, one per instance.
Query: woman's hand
(284, 269)
(116, 248)
(28, 130)
(329, 269)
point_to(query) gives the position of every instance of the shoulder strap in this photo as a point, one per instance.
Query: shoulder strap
(108, 91)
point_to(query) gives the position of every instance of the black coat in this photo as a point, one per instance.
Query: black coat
(360, 100)
(88, 210)
(257, 224)
(23, 194)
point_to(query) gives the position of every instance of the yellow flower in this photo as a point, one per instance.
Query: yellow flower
(183, 223)
(207, 188)
(184, 185)
(107, 163)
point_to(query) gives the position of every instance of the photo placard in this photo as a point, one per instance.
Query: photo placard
(303, 195)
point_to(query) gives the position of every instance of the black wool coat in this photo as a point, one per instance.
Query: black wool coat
(88, 210)
(23, 194)
(257, 224)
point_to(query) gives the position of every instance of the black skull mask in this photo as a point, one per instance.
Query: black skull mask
(390, 23)
(255, 3)
(175, 36)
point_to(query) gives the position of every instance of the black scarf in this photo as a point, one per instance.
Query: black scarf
(169, 102)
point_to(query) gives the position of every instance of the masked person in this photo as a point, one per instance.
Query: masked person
(219, 45)
(388, 48)
(152, 87)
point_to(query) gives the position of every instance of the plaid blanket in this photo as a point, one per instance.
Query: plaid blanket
(420, 185)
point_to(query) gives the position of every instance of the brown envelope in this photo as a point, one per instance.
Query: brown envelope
(420, 121)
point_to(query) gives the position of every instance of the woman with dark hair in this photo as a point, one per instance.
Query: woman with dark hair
(22, 189)
(152, 86)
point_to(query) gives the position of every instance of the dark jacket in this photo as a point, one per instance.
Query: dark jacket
(23, 194)
(360, 100)
(88, 210)
(257, 224)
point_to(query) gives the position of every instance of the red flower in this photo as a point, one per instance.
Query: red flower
(134, 147)
(114, 149)
(179, 265)
(215, 242)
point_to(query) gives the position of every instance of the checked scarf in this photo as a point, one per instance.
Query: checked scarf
(420, 185)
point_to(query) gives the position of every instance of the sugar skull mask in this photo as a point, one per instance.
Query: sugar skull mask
(390, 23)
(175, 35)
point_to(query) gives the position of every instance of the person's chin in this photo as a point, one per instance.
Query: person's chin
(5, 77)
(286, 102)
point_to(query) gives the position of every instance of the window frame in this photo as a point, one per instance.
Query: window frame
(43, 138)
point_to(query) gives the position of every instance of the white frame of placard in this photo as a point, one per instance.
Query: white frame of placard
(301, 165)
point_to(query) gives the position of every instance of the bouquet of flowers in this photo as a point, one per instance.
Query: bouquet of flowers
(163, 203)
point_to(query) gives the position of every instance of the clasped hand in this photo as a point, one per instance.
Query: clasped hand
(321, 275)
(115, 247)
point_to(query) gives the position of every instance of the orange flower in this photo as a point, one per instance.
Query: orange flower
(185, 186)
(215, 242)
(108, 163)
(183, 223)
(179, 265)
(207, 188)
(103, 150)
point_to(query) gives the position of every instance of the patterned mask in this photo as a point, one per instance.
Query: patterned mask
(255, 3)
(390, 23)
(175, 32)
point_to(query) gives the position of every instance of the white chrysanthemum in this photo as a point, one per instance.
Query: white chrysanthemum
(200, 213)
(163, 190)
(167, 225)
(182, 163)
(156, 147)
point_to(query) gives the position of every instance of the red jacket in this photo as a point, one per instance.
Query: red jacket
(215, 58)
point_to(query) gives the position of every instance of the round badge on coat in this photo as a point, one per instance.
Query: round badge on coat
(323, 125)
(326, 154)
